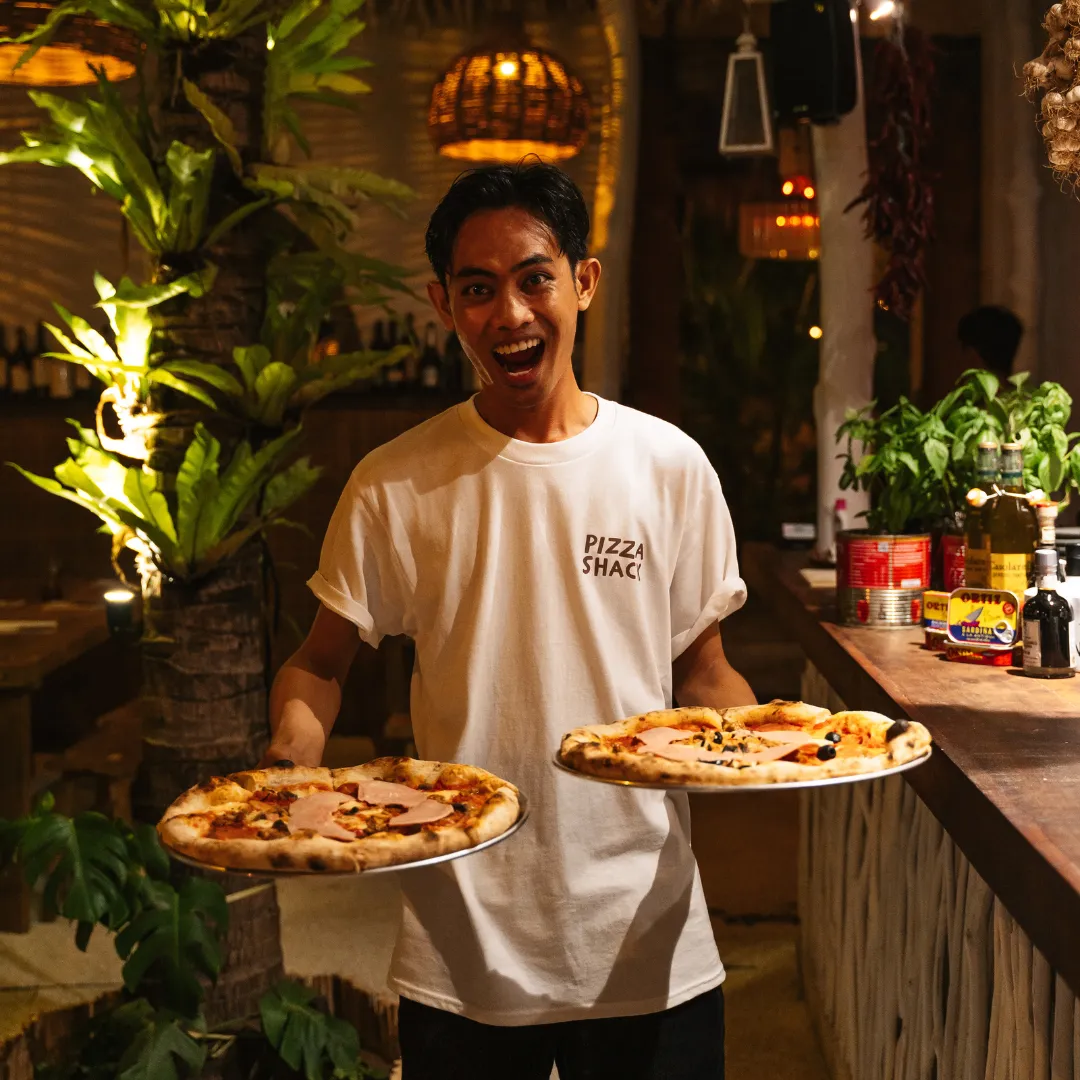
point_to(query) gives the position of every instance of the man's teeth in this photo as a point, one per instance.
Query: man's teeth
(518, 346)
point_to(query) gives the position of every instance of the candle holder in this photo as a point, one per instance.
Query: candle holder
(121, 612)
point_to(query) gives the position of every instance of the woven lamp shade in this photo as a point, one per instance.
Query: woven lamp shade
(65, 61)
(499, 104)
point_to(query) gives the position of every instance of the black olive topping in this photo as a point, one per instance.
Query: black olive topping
(280, 826)
(352, 810)
(460, 807)
(826, 753)
(898, 728)
(832, 736)
(284, 763)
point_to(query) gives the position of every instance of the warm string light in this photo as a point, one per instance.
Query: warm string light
(883, 10)
(816, 332)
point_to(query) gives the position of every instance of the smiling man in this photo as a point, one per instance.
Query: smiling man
(559, 560)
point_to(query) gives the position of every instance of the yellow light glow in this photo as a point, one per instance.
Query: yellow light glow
(808, 192)
(808, 221)
(782, 253)
(789, 187)
(781, 221)
(59, 65)
(813, 253)
(512, 150)
(816, 332)
(507, 68)
(884, 9)
(119, 596)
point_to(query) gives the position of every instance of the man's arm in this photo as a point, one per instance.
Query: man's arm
(703, 676)
(306, 695)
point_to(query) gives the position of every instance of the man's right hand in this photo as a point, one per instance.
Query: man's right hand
(306, 695)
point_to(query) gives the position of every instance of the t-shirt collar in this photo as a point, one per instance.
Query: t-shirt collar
(531, 453)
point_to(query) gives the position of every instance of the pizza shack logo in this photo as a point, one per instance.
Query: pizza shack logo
(612, 556)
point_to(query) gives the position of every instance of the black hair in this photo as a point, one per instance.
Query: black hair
(994, 333)
(543, 190)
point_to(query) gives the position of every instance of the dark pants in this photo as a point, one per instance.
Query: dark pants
(683, 1043)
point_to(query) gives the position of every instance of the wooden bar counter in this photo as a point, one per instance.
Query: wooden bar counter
(1003, 782)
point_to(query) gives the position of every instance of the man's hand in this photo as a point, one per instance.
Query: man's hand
(306, 695)
(703, 676)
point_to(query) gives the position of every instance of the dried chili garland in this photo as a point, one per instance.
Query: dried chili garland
(899, 194)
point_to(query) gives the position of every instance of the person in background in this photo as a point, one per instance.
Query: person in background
(990, 337)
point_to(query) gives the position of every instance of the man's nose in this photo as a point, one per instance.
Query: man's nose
(512, 310)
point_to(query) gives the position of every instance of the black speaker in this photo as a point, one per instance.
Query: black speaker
(815, 75)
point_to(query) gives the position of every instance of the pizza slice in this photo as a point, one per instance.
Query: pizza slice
(780, 742)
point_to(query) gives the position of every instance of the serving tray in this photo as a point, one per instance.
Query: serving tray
(433, 861)
(731, 789)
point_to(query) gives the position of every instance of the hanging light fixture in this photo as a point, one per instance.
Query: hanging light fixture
(746, 127)
(65, 59)
(507, 99)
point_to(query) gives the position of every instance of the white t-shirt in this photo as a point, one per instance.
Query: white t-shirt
(547, 586)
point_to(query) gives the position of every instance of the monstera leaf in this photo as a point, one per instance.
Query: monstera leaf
(308, 1040)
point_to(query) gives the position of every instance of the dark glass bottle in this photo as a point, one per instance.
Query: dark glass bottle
(19, 369)
(380, 344)
(395, 373)
(1048, 627)
(430, 361)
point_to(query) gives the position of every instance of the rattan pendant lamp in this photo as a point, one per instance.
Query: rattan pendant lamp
(66, 58)
(506, 99)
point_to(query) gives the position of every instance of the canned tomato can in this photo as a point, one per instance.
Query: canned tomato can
(952, 561)
(880, 578)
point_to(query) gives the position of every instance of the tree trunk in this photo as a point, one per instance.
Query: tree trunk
(205, 677)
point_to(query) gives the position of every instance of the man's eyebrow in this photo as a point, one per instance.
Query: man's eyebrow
(479, 271)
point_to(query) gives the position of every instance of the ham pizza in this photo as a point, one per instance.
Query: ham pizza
(782, 742)
(391, 811)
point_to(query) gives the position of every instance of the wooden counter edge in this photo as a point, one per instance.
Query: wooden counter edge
(1035, 884)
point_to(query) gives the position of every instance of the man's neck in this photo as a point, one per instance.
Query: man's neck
(565, 414)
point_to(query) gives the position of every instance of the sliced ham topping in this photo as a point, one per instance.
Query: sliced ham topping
(657, 737)
(424, 812)
(663, 742)
(772, 753)
(316, 811)
(383, 793)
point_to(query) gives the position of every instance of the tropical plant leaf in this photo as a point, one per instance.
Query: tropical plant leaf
(212, 374)
(287, 486)
(162, 1050)
(230, 221)
(306, 1039)
(273, 385)
(220, 125)
(196, 488)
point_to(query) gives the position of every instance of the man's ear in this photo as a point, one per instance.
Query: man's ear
(440, 301)
(586, 278)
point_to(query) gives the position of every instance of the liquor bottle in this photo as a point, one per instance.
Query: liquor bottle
(40, 365)
(395, 373)
(430, 361)
(379, 344)
(19, 369)
(411, 363)
(976, 539)
(1012, 527)
(5, 360)
(1048, 624)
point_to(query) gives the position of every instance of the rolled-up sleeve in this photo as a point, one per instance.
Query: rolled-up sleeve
(359, 575)
(706, 586)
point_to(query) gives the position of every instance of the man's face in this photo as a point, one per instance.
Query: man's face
(513, 300)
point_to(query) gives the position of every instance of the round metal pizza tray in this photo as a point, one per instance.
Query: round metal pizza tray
(433, 861)
(731, 789)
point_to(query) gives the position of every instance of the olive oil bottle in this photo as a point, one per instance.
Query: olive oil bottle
(1012, 527)
(1049, 645)
(976, 539)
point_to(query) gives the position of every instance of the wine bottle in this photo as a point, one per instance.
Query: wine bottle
(430, 361)
(19, 370)
(5, 361)
(976, 538)
(1012, 527)
(1049, 645)
(379, 344)
(40, 365)
(395, 373)
(410, 365)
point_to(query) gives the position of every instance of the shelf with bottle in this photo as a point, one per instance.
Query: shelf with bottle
(28, 375)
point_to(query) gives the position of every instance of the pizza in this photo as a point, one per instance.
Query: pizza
(390, 811)
(782, 742)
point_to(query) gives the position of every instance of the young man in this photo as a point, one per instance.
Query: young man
(559, 560)
(990, 338)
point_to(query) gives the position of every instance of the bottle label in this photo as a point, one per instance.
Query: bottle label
(1032, 644)
(977, 568)
(1010, 571)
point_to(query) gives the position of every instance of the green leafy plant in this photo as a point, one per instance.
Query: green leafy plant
(918, 466)
(217, 510)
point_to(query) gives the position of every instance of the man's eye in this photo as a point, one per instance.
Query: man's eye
(537, 279)
(474, 290)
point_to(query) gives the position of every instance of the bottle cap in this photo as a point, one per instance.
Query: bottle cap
(1046, 561)
(1072, 560)
(988, 444)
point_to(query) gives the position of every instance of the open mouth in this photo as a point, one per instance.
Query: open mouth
(520, 359)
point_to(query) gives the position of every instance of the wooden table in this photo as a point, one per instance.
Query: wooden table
(1004, 780)
(53, 686)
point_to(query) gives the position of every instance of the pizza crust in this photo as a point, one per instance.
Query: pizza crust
(185, 824)
(590, 750)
